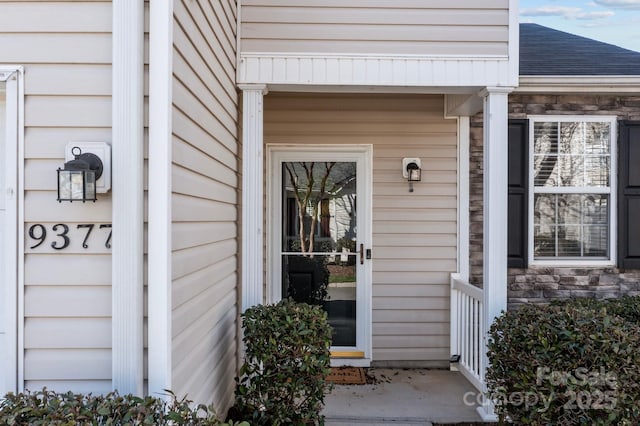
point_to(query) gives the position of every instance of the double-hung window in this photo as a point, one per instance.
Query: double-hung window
(572, 189)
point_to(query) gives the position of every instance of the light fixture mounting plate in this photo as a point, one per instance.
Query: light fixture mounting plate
(102, 150)
(405, 161)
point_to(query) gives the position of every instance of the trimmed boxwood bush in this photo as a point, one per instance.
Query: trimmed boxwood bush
(568, 363)
(46, 407)
(282, 381)
(626, 307)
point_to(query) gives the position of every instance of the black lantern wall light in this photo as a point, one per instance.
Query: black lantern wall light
(79, 180)
(411, 171)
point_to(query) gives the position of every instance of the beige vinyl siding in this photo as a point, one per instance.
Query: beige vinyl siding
(65, 48)
(414, 234)
(204, 202)
(398, 27)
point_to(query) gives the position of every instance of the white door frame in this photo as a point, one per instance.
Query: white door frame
(11, 264)
(362, 155)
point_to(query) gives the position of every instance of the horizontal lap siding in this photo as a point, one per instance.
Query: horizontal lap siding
(376, 26)
(65, 48)
(204, 202)
(414, 234)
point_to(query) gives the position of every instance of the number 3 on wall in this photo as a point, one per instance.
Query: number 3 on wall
(63, 235)
(62, 239)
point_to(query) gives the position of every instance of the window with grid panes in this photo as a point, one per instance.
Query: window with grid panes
(571, 187)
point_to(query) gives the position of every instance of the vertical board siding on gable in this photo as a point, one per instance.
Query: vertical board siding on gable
(65, 48)
(399, 27)
(204, 202)
(414, 234)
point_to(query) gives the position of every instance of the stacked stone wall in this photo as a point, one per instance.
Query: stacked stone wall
(543, 284)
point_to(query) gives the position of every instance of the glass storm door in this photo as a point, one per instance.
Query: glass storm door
(323, 249)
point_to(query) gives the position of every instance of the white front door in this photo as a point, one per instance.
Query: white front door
(320, 239)
(8, 230)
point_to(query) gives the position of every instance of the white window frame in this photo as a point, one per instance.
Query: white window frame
(611, 191)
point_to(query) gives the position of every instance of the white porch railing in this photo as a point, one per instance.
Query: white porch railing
(467, 330)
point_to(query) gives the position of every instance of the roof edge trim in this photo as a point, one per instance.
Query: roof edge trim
(579, 84)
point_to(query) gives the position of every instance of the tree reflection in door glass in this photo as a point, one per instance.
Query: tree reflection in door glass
(319, 241)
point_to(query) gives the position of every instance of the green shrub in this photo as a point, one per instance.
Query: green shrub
(69, 409)
(626, 307)
(569, 363)
(287, 359)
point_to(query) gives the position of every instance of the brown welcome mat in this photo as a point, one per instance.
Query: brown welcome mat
(347, 376)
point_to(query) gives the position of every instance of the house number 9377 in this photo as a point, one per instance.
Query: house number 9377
(60, 234)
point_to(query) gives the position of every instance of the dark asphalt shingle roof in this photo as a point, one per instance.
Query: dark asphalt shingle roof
(545, 51)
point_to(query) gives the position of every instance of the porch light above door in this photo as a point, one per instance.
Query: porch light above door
(77, 181)
(411, 171)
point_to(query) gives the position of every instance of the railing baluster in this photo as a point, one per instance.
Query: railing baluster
(475, 336)
(469, 334)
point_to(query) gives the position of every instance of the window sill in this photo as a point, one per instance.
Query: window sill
(573, 263)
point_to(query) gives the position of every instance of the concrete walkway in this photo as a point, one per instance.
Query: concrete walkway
(403, 397)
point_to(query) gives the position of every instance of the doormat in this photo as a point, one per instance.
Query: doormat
(347, 376)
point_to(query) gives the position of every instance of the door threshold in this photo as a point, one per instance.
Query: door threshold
(349, 358)
(347, 354)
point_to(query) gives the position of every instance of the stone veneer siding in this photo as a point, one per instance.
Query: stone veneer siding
(541, 284)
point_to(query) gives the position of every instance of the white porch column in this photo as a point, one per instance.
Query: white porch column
(252, 194)
(496, 115)
(127, 189)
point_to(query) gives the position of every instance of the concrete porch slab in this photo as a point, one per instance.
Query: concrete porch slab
(403, 397)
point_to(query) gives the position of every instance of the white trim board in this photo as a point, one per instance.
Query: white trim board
(12, 267)
(159, 211)
(514, 42)
(252, 291)
(613, 85)
(463, 197)
(127, 257)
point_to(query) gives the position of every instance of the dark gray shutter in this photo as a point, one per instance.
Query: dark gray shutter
(518, 193)
(629, 195)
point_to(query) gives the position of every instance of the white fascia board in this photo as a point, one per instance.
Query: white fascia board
(358, 89)
(159, 211)
(579, 84)
(326, 69)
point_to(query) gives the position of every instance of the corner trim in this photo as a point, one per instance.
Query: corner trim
(127, 257)
(252, 291)
(463, 197)
(160, 187)
(514, 42)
